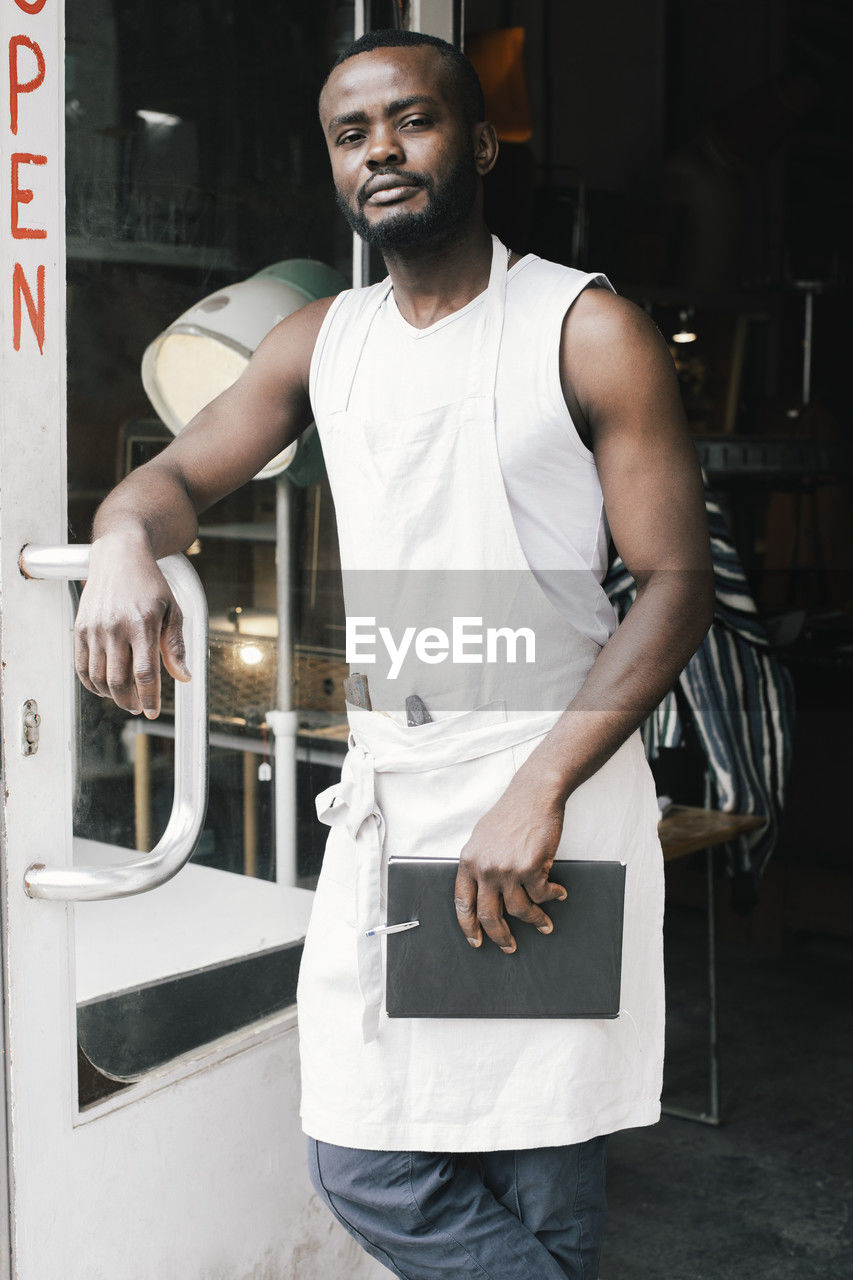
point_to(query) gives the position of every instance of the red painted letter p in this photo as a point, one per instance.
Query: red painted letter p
(16, 85)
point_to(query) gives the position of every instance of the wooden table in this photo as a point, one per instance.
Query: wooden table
(685, 829)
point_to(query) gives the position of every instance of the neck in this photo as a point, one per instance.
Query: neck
(433, 280)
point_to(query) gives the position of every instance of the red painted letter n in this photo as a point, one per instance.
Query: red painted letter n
(35, 310)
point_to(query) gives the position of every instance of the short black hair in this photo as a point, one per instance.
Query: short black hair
(464, 76)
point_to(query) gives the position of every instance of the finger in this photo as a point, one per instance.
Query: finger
(120, 674)
(491, 917)
(98, 667)
(465, 900)
(146, 673)
(517, 903)
(172, 644)
(544, 890)
(81, 661)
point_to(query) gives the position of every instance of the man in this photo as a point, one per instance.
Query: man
(479, 413)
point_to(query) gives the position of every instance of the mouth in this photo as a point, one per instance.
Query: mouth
(390, 190)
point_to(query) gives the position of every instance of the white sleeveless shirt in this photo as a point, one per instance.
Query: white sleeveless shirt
(550, 475)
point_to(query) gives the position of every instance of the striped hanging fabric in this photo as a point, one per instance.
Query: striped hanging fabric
(740, 697)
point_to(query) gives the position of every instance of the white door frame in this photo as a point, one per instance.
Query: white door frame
(39, 1021)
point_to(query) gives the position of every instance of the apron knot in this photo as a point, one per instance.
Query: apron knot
(351, 802)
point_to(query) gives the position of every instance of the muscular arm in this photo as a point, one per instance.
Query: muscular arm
(618, 377)
(620, 370)
(127, 612)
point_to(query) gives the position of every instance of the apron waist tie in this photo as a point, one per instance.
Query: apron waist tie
(351, 803)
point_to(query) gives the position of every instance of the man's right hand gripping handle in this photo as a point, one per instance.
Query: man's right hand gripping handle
(127, 619)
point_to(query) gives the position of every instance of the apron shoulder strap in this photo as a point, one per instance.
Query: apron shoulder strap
(343, 343)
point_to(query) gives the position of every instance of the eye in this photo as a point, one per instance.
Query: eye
(416, 122)
(349, 137)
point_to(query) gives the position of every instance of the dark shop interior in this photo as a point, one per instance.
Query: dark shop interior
(699, 154)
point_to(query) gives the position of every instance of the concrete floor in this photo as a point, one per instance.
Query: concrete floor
(767, 1195)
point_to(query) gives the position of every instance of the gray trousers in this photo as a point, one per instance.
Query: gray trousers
(493, 1215)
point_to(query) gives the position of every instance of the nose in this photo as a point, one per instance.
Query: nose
(384, 148)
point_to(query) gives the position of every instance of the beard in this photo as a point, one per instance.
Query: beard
(448, 206)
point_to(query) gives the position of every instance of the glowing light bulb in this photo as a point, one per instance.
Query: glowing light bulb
(250, 654)
(161, 119)
(684, 334)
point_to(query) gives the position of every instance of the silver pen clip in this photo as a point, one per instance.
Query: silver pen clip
(391, 928)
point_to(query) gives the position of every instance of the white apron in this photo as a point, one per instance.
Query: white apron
(413, 499)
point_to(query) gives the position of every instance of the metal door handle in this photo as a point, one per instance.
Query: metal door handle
(191, 729)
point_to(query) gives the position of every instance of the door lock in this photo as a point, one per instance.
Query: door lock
(30, 721)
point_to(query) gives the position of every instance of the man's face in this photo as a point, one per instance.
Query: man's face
(403, 157)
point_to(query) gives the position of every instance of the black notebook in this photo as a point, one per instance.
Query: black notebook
(432, 971)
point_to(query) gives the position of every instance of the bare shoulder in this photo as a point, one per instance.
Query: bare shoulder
(291, 342)
(600, 321)
(611, 350)
(312, 315)
(283, 357)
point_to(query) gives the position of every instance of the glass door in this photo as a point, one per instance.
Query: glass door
(193, 160)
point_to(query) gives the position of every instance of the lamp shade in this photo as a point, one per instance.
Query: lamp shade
(207, 348)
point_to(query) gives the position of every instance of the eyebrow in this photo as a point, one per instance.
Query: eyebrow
(393, 109)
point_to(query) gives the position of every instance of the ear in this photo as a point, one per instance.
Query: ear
(485, 147)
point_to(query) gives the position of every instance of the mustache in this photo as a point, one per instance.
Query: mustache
(415, 179)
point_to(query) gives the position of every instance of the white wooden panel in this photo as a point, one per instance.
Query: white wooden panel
(202, 1180)
(40, 1022)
